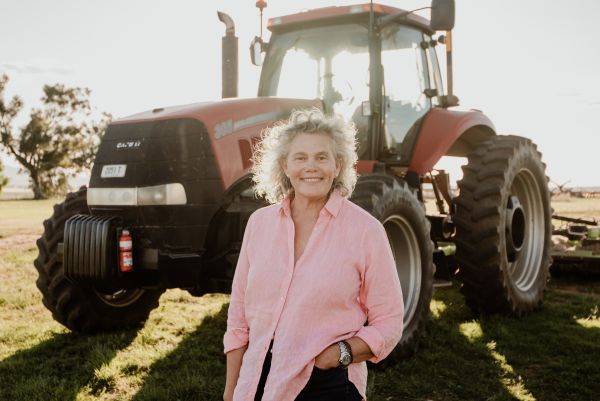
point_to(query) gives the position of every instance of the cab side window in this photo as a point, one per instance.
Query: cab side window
(406, 77)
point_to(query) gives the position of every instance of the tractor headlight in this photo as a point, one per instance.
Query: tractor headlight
(167, 194)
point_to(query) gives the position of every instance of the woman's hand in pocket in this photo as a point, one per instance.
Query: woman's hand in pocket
(329, 358)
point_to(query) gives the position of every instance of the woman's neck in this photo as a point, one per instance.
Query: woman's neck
(301, 205)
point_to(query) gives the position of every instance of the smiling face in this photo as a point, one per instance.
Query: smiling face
(311, 166)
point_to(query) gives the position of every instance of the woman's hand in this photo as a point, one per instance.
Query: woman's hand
(329, 358)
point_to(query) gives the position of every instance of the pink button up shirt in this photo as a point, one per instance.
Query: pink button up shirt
(345, 278)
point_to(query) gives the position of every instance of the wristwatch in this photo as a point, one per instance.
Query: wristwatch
(345, 354)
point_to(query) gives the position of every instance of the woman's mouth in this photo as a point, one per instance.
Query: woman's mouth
(312, 179)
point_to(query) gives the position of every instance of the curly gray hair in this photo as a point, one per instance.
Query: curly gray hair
(268, 175)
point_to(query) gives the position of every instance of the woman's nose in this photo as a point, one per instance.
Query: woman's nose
(312, 163)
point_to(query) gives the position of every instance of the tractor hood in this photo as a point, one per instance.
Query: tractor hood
(209, 142)
(227, 116)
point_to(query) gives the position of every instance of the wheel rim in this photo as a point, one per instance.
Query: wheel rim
(525, 267)
(120, 298)
(406, 251)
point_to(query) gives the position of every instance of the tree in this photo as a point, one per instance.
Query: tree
(3, 179)
(60, 139)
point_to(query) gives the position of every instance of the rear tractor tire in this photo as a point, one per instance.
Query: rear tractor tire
(396, 206)
(503, 227)
(83, 308)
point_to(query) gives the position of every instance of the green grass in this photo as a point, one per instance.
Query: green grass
(177, 354)
(545, 356)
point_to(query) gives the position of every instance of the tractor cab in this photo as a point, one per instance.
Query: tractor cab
(327, 53)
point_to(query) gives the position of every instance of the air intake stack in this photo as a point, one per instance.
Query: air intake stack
(229, 66)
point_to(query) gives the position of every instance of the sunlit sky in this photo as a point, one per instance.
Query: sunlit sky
(532, 66)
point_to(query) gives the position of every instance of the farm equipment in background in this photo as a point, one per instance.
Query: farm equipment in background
(579, 251)
(177, 178)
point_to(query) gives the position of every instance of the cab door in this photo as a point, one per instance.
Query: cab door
(405, 78)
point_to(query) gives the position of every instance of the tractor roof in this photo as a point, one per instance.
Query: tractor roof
(325, 15)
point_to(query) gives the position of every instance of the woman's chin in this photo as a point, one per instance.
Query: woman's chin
(312, 191)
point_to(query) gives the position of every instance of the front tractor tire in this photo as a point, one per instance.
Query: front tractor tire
(396, 206)
(83, 308)
(503, 227)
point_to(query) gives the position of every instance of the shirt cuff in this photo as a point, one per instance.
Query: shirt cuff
(374, 340)
(234, 339)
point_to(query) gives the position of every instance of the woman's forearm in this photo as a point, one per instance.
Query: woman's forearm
(330, 356)
(360, 350)
(234, 363)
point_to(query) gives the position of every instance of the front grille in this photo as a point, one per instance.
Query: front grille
(90, 248)
(162, 152)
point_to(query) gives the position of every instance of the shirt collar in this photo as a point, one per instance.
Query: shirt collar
(332, 206)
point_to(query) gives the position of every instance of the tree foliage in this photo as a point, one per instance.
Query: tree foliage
(59, 140)
(3, 179)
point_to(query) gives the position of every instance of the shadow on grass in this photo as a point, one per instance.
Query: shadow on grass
(547, 355)
(447, 366)
(195, 370)
(57, 368)
(556, 357)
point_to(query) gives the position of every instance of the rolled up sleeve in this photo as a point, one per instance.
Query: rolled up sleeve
(237, 332)
(380, 295)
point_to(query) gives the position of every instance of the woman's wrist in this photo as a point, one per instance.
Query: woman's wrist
(228, 392)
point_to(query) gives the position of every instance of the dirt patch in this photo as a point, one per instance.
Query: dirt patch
(18, 241)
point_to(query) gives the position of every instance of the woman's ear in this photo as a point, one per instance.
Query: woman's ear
(338, 166)
(283, 165)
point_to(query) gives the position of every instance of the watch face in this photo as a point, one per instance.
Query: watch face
(345, 355)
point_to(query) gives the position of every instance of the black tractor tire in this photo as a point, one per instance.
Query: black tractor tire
(503, 227)
(396, 206)
(83, 308)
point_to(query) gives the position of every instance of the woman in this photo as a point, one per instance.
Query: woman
(315, 292)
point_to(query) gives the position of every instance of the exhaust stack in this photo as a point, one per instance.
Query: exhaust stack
(229, 58)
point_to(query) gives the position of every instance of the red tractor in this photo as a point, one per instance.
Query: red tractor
(170, 191)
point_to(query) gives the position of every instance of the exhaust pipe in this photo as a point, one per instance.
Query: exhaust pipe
(229, 58)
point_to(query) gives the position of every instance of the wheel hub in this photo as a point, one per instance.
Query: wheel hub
(120, 298)
(514, 228)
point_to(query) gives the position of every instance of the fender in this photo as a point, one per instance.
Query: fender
(448, 133)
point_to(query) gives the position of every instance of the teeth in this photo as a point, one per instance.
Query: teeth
(311, 179)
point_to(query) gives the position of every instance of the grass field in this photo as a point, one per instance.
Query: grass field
(177, 354)
(24, 216)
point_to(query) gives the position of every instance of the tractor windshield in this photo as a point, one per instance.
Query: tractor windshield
(330, 63)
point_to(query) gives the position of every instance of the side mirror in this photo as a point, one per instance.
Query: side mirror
(257, 48)
(442, 15)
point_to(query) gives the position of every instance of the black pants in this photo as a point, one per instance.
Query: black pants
(323, 385)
